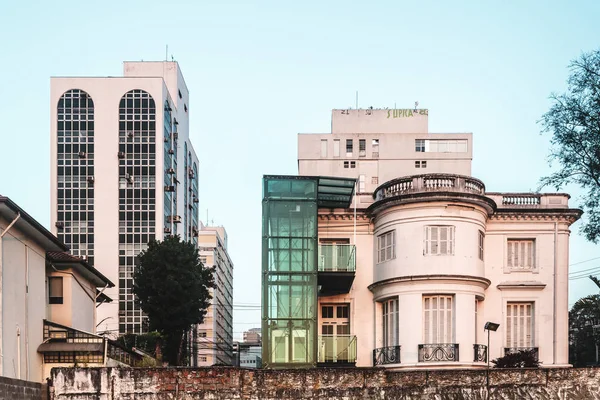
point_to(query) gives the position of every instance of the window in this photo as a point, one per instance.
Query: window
(420, 164)
(343, 311)
(348, 147)
(439, 240)
(420, 145)
(361, 183)
(390, 323)
(203, 358)
(375, 147)
(201, 334)
(521, 254)
(519, 325)
(55, 286)
(349, 164)
(336, 147)
(481, 238)
(327, 312)
(362, 147)
(438, 322)
(179, 91)
(375, 180)
(324, 148)
(386, 244)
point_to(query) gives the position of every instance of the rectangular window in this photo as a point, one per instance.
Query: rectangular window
(386, 246)
(481, 238)
(346, 164)
(343, 311)
(420, 145)
(352, 164)
(203, 358)
(439, 240)
(336, 148)
(375, 180)
(420, 164)
(362, 147)
(361, 183)
(519, 325)
(327, 312)
(446, 146)
(520, 254)
(348, 147)
(55, 289)
(438, 321)
(390, 323)
(324, 148)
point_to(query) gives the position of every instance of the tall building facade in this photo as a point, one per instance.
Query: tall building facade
(407, 269)
(213, 339)
(123, 172)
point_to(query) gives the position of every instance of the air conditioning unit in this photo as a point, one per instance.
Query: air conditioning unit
(191, 173)
(167, 230)
(194, 232)
(82, 154)
(169, 188)
(90, 179)
(171, 171)
(175, 121)
(84, 258)
(176, 219)
(59, 224)
(191, 206)
(121, 154)
(196, 200)
(129, 134)
(129, 178)
(175, 135)
(171, 151)
(166, 139)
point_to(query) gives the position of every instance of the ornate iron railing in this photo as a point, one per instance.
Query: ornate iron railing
(386, 355)
(438, 352)
(510, 350)
(479, 353)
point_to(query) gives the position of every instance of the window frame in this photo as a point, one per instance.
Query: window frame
(420, 145)
(56, 299)
(510, 254)
(481, 238)
(383, 238)
(441, 315)
(336, 147)
(349, 147)
(390, 325)
(510, 338)
(324, 149)
(450, 240)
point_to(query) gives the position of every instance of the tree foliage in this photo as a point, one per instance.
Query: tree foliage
(574, 122)
(172, 287)
(583, 337)
(519, 359)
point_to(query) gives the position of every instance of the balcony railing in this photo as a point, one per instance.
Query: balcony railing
(479, 353)
(510, 350)
(435, 352)
(429, 183)
(337, 349)
(337, 257)
(386, 355)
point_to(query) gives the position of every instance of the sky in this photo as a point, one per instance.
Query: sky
(260, 72)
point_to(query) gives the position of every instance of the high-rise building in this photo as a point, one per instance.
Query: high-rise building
(411, 268)
(212, 341)
(123, 172)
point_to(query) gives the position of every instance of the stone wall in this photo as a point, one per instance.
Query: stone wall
(15, 389)
(331, 384)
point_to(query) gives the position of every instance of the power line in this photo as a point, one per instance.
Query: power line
(584, 261)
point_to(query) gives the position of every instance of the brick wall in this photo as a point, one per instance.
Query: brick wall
(15, 389)
(330, 384)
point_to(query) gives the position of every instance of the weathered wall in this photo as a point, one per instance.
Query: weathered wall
(330, 384)
(14, 389)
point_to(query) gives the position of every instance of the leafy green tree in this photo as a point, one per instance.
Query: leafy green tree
(519, 359)
(574, 122)
(584, 331)
(172, 287)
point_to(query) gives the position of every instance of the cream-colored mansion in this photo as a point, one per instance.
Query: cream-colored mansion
(411, 264)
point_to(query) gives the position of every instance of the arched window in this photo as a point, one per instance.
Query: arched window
(137, 196)
(75, 172)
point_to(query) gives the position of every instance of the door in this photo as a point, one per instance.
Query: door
(335, 333)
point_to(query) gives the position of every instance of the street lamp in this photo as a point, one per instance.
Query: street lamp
(489, 326)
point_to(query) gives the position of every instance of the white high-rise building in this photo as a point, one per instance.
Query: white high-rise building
(123, 172)
(213, 339)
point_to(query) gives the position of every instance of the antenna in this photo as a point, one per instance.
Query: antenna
(167, 52)
(357, 99)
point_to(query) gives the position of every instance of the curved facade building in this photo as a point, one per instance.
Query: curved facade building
(410, 272)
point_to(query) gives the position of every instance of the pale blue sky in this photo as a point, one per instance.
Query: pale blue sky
(260, 72)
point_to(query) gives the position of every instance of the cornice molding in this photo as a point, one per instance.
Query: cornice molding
(521, 285)
(477, 280)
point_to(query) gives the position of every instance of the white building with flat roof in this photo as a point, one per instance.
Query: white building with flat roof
(123, 172)
(213, 339)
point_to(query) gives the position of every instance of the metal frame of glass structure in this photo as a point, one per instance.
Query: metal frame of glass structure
(290, 264)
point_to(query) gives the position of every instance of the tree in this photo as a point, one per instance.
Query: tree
(518, 359)
(172, 287)
(584, 331)
(574, 122)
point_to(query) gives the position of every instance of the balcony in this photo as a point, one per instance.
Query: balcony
(479, 353)
(438, 352)
(337, 351)
(511, 350)
(337, 267)
(386, 355)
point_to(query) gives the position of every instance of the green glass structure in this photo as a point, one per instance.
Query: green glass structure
(290, 264)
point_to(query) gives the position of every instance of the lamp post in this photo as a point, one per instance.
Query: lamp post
(489, 326)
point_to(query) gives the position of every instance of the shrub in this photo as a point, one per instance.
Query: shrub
(519, 359)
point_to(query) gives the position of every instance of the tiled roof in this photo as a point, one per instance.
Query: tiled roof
(61, 257)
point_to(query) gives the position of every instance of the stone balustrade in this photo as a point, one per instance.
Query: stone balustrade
(429, 183)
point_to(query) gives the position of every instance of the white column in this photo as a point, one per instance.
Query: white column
(464, 325)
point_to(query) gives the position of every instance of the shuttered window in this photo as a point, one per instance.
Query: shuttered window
(519, 325)
(439, 240)
(386, 246)
(438, 319)
(521, 254)
(481, 239)
(390, 323)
